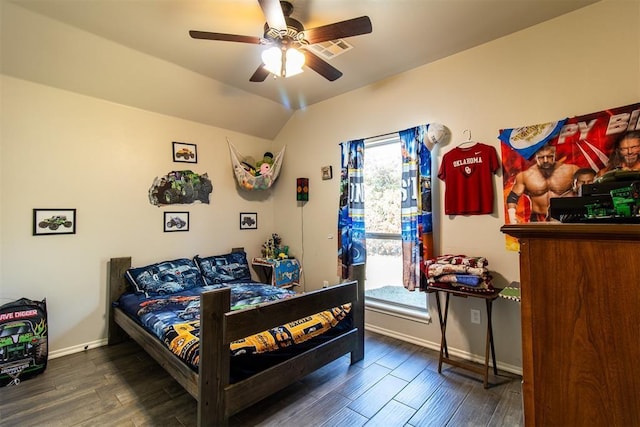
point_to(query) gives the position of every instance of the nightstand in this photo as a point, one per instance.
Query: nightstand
(283, 273)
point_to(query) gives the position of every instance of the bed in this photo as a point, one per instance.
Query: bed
(211, 384)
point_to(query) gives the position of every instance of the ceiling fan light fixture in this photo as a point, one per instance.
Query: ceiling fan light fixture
(272, 59)
(283, 62)
(295, 61)
(289, 41)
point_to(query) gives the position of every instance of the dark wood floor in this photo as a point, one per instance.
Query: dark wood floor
(397, 384)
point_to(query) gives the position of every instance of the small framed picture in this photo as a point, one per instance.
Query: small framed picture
(183, 152)
(327, 172)
(54, 221)
(176, 221)
(248, 221)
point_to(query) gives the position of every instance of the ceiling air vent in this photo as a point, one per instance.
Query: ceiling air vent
(330, 49)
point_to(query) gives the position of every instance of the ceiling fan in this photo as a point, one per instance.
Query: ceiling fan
(288, 40)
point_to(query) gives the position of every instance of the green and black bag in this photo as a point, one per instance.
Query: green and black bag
(23, 340)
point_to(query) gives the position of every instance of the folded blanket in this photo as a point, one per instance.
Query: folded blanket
(482, 287)
(462, 279)
(471, 261)
(439, 269)
(470, 281)
(458, 272)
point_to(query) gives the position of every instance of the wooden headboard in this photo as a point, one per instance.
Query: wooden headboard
(117, 286)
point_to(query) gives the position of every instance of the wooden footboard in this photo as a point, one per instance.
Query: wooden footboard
(217, 398)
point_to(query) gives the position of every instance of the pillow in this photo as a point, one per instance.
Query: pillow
(225, 268)
(167, 277)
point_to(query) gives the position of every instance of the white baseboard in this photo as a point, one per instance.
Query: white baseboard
(77, 348)
(436, 346)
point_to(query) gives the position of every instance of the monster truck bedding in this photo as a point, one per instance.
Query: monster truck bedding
(174, 320)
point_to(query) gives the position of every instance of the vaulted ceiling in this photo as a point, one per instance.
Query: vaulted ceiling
(406, 34)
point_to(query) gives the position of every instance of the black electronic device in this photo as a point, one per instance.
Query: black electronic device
(574, 209)
(605, 187)
(603, 202)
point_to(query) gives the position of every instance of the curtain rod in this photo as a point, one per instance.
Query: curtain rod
(383, 135)
(380, 139)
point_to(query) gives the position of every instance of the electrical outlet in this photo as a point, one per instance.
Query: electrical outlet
(325, 284)
(475, 316)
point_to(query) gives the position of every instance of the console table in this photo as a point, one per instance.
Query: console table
(580, 308)
(489, 297)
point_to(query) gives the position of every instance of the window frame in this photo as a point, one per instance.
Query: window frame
(389, 307)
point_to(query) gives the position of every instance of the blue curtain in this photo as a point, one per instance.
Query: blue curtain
(416, 221)
(351, 230)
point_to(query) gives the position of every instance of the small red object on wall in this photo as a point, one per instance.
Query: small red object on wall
(302, 189)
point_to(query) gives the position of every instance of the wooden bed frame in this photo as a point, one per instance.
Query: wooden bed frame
(217, 398)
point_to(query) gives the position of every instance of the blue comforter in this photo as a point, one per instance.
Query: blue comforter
(175, 319)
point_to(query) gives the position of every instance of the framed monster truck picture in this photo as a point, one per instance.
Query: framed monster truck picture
(54, 221)
(176, 221)
(183, 152)
(248, 221)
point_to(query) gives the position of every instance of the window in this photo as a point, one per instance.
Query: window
(382, 189)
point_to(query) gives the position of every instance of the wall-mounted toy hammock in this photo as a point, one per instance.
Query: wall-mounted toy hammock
(259, 176)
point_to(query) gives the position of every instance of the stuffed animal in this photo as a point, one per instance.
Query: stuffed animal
(248, 165)
(267, 159)
(265, 169)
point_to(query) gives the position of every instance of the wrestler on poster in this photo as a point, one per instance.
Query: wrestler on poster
(552, 159)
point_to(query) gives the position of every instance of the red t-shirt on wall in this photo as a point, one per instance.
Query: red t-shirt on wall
(468, 175)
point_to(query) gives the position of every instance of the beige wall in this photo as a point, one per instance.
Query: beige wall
(579, 63)
(62, 149)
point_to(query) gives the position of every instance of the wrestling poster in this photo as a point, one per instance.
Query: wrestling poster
(553, 159)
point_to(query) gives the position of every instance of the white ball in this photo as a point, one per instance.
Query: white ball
(436, 133)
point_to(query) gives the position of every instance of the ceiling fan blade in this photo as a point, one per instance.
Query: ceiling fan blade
(205, 35)
(260, 75)
(273, 13)
(339, 30)
(321, 67)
